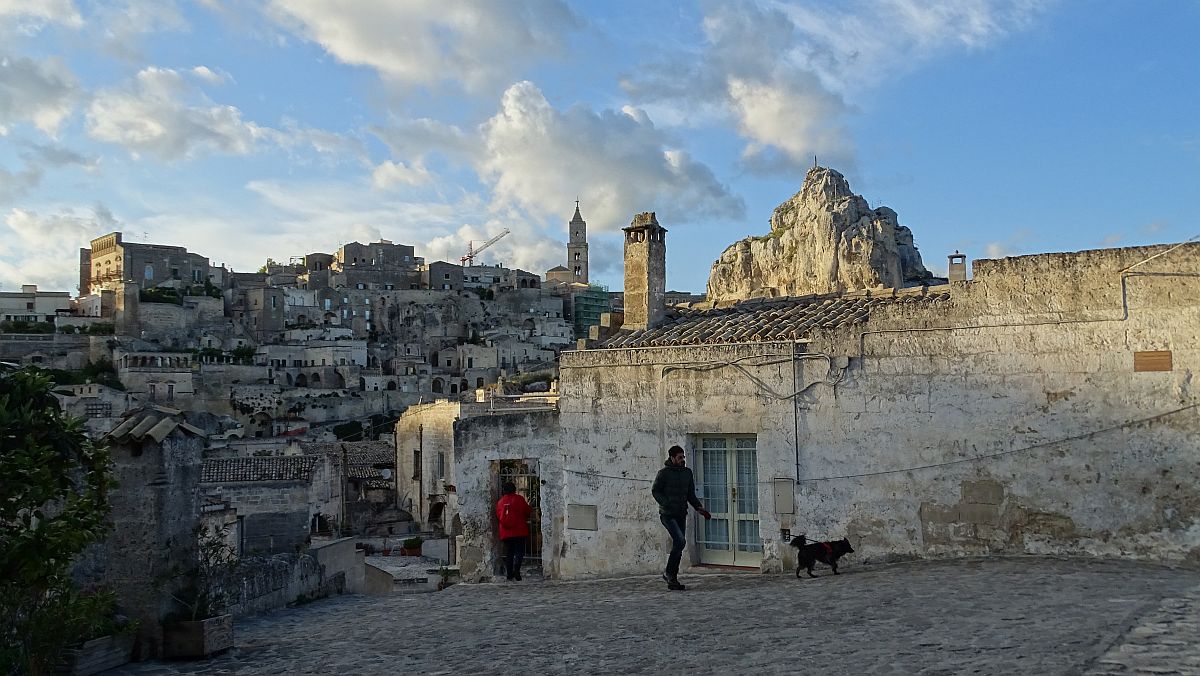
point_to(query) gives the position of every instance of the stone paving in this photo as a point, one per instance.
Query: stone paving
(971, 616)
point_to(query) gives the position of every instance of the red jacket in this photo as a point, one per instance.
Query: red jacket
(513, 514)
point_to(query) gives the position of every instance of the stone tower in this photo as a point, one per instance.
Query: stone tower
(645, 272)
(577, 248)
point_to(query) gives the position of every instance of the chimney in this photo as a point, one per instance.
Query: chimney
(958, 267)
(645, 272)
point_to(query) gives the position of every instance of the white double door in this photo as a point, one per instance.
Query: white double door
(727, 476)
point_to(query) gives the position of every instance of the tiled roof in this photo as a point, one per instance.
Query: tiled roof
(765, 320)
(155, 422)
(271, 468)
(363, 472)
(357, 452)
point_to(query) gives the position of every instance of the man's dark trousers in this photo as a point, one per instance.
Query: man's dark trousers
(675, 525)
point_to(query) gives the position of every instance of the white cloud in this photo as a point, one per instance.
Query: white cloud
(389, 173)
(210, 76)
(474, 43)
(35, 246)
(162, 115)
(43, 93)
(121, 24)
(787, 73)
(540, 159)
(29, 16)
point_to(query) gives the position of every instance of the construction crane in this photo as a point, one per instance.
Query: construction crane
(472, 252)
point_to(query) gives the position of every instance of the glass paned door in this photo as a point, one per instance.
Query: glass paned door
(727, 478)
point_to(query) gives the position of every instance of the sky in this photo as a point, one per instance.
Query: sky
(250, 129)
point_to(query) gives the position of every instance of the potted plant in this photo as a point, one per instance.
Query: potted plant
(202, 627)
(100, 638)
(411, 546)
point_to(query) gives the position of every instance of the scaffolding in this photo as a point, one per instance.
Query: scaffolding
(586, 307)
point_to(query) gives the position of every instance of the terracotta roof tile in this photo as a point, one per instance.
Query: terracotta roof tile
(271, 468)
(357, 452)
(766, 319)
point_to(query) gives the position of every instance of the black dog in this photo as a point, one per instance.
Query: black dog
(825, 552)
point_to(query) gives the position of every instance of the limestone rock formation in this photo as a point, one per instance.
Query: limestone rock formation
(824, 239)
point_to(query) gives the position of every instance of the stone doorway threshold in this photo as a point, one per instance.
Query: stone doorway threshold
(717, 567)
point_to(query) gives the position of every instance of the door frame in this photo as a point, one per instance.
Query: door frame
(749, 554)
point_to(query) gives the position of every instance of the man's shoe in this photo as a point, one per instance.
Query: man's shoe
(674, 585)
(517, 576)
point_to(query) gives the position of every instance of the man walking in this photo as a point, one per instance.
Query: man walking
(674, 489)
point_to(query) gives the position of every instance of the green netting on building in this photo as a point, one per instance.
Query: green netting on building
(587, 307)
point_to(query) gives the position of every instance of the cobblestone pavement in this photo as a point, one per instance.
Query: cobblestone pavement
(972, 616)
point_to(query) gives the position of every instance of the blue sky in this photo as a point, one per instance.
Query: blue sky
(275, 128)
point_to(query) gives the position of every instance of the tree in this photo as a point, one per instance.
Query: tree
(270, 264)
(54, 486)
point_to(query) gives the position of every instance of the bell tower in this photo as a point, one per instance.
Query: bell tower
(577, 248)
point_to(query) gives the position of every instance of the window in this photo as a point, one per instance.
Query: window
(441, 465)
(149, 272)
(470, 362)
(174, 273)
(170, 391)
(416, 465)
(447, 275)
(98, 410)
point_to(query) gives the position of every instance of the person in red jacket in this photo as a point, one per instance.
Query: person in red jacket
(512, 511)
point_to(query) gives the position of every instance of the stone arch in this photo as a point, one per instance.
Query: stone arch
(453, 387)
(315, 379)
(391, 385)
(289, 379)
(362, 384)
(438, 386)
(301, 380)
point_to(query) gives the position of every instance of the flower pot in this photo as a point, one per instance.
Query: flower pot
(191, 639)
(96, 655)
(410, 552)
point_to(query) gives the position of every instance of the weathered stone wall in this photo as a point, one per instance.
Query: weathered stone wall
(260, 584)
(275, 514)
(429, 430)
(479, 444)
(155, 507)
(1031, 363)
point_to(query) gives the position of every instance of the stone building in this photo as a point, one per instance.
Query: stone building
(31, 305)
(275, 497)
(1014, 412)
(112, 261)
(154, 510)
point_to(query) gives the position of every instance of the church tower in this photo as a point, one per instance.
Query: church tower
(577, 248)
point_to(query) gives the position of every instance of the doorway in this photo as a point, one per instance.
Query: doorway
(727, 476)
(523, 474)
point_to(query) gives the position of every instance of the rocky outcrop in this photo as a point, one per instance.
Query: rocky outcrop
(824, 239)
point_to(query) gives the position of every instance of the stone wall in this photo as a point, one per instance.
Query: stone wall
(260, 584)
(426, 429)
(275, 514)
(1010, 420)
(479, 443)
